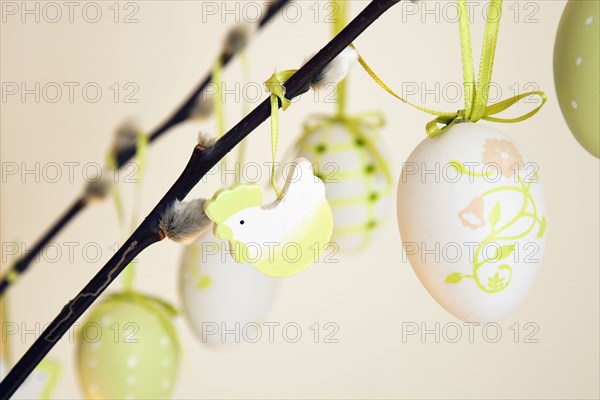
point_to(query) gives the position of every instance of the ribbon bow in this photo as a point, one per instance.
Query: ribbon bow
(355, 125)
(369, 120)
(476, 95)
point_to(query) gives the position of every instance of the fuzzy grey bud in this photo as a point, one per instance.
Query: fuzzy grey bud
(204, 106)
(237, 39)
(98, 189)
(183, 222)
(336, 70)
(206, 140)
(126, 136)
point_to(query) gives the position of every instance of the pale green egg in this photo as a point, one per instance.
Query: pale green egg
(577, 71)
(128, 349)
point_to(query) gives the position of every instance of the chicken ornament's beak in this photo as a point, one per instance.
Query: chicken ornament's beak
(223, 232)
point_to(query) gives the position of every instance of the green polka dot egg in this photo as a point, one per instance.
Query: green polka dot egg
(128, 349)
(577, 71)
(348, 155)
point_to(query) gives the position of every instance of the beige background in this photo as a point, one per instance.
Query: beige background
(370, 295)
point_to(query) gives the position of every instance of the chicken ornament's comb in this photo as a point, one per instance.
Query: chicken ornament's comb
(227, 202)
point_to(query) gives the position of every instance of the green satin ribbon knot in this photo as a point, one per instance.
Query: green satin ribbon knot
(476, 94)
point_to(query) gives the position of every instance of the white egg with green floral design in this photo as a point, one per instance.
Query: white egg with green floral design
(472, 219)
(128, 349)
(220, 295)
(350, 157)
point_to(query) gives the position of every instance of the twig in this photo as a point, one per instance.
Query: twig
(21, 265)
(201, 161)
(122, 157)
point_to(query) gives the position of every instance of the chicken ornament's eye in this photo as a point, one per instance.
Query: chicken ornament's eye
(242, 222)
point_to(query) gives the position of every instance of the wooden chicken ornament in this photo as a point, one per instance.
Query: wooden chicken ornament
(280, 239)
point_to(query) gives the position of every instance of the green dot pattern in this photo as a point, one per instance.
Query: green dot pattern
(577, 71)
(128, 349)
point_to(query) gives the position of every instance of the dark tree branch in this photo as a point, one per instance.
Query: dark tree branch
(202, 160)
(21, 265)
(122, 157)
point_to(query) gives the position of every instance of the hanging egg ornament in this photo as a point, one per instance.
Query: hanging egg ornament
(348, 155)
(128, 349)
(472, 219)
(577, 71)
(220, 295)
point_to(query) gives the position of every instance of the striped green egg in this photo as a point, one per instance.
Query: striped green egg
(348, 155)
(577, 71)
(128, 349)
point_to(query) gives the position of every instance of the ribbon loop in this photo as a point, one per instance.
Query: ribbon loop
(276, 86)
(505, 104)
(476, 93)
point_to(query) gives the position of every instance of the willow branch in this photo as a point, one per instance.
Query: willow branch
(122, 157)
(201, 161)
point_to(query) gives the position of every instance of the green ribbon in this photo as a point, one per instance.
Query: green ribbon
(476, 95)
(4, 311)
(116, 192)
(219, 107)
(341, 6)
(141, 154)
(141, 151)
(241, 155)
(217, 98)
(12, 276)
(275, 85)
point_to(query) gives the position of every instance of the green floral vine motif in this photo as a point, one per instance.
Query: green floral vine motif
(504, 155)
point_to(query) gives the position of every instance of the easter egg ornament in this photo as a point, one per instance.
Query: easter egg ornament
(220, 295)
(472, 220)
(577, 71)
(347, 154)
(128, 349)
(470, 206)
(280, 239)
